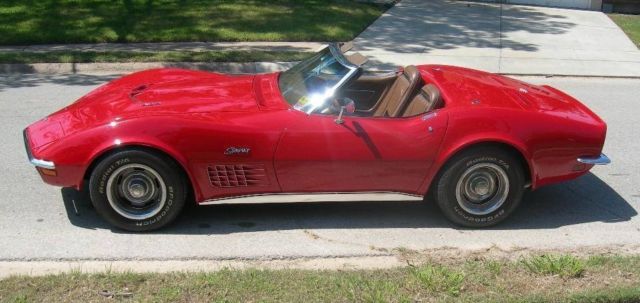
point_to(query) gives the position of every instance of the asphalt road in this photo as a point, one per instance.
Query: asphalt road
(38, 221)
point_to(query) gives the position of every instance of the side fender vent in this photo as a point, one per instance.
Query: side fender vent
(237, 175)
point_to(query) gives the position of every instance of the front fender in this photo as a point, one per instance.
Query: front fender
(75, 154)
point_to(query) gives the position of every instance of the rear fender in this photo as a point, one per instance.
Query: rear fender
(449, 150)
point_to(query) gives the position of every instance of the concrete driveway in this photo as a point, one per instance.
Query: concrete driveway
(40, 222)
(511, 39)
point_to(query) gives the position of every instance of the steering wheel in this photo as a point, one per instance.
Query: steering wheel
(337, 104)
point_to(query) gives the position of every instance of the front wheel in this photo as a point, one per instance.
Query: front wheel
(138, 190)
(480, 187)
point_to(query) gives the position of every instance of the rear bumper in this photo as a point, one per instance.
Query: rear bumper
(597, 160)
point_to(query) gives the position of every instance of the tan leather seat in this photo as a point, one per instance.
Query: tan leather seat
(398, 96)
(427, 99)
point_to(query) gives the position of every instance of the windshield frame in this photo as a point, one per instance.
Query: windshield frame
(334, 50)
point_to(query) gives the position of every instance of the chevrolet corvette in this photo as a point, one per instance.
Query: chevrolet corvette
(324, 130)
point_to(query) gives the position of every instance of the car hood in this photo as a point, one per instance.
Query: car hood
(158, 92)
(170, 91)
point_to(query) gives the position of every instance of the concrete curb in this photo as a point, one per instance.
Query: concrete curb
(75, 68)
(41, 268)
(167, 46)
(223, 67)
(568, 76)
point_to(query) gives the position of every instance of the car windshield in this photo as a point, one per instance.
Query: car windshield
(309, 84)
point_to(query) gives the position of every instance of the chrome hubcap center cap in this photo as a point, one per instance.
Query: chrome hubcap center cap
(481, 187)
(137, 190)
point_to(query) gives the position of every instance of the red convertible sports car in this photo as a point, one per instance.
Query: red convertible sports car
(324, 130)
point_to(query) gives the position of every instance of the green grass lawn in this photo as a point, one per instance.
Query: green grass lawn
(91, 21)
(630, 24)
(561, 278)
(160, 56)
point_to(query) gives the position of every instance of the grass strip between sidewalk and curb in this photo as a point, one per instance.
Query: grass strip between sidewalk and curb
(160, 56)
(540, 278)
(96, 21)
(630, 24)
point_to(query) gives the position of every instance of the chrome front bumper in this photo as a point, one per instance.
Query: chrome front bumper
(600, 160)
(34, 161)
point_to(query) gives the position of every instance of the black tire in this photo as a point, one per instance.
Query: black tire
(146, 175)
(461, 197)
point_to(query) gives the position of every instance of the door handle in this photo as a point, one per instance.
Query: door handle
(429, 116)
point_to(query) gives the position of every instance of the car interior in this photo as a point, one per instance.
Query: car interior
(392, 94)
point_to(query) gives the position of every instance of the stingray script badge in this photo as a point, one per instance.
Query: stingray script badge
(233, 151)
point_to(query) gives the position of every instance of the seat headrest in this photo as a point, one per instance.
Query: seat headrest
(432, 93)
(411, 72)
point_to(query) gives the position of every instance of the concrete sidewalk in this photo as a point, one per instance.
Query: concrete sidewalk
(509, 39)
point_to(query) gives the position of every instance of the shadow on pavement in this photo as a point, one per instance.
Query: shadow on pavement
(587, 199)
(440, 27)
(423, 26)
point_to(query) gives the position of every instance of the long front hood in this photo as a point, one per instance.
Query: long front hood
(170, 91)
(157, 92)
(151, 92)
(188, 91)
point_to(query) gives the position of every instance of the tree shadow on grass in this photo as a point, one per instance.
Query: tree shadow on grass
(587, 199)
(65, 21)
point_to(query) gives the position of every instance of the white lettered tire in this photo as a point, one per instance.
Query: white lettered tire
(138, 190)
(480, 187)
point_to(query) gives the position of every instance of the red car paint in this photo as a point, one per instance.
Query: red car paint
(195, 116)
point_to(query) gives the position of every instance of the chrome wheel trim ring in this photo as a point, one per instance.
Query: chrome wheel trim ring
(124, 198)
(482, 188)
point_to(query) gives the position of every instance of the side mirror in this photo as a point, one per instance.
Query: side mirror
(348, 105)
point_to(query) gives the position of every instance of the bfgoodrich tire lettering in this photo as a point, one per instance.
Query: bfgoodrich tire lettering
(480, 187)
(137, 190)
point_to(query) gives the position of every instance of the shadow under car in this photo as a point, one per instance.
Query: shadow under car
(586, 199)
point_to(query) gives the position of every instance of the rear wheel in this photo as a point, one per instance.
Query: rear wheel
(138, 190)
(480, 187)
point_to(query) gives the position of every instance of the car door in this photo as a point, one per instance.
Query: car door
(316, 154)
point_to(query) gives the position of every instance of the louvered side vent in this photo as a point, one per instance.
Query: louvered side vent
(238, 175)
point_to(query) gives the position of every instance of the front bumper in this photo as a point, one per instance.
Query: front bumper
(36, 162)
(598, 160)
